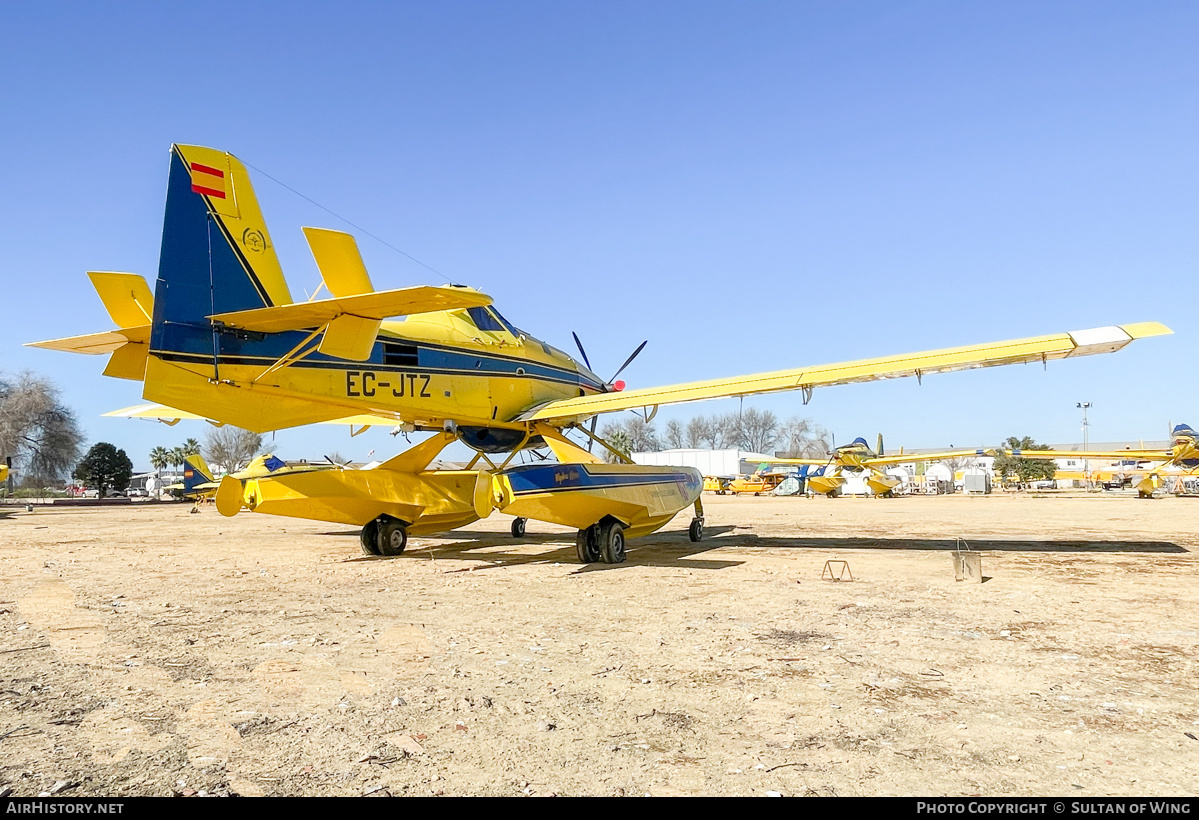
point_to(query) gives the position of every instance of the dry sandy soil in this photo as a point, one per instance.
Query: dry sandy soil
(148, 651)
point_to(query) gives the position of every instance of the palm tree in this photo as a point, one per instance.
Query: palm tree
(620, 440)
(159, 458)
(191, 447)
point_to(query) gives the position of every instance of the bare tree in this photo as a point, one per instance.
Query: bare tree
(231, 447)
(36, 429)
(710, 430)
(675, 438)
(697, 431)
(800, 438)
(754, 430)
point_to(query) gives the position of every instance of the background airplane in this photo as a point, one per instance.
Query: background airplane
(858, 457)
(1183, 455)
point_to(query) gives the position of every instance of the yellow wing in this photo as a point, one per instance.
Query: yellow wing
(1113, 455)
(905, 458)
(374, 306)
(1033, 349)
(799, 461)
(882, 461)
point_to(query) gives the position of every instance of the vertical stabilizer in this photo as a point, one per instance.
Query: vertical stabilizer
(217, 254)
(195, 472)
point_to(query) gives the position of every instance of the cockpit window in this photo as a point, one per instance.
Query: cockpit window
(491, 320)
(507, 325)
(484, 320)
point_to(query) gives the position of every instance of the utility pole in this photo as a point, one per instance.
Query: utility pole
(1086, 464)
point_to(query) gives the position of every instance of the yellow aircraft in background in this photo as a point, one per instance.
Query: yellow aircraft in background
(857, 456)
(198, 482)
(1183, 454)
(221, 337)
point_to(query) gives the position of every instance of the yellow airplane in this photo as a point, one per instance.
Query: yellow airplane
(222, 337)
(199, 483)
(858, 457)
(757, 483)
(717, 484)
(1183, 454)
(3, 479)
(197, 480)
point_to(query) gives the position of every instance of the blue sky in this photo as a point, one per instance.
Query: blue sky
(750, 186)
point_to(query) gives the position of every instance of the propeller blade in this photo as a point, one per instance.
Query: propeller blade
(579, 345)
(628, 361)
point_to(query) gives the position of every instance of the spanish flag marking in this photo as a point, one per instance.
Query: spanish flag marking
(208, 181)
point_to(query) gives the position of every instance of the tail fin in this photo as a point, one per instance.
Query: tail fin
(195, 473)
(217, 255)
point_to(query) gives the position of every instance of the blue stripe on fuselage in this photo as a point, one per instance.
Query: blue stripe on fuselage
(542, 478)
(191, 341)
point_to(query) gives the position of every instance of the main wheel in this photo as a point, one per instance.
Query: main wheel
(393, 537)
(696, 531)
(518, 527)
(370, 539)
(587, 546)
(611, 536)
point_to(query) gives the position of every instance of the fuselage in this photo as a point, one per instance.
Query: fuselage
(471, 367)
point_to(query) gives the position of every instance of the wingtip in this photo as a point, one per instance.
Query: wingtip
(1141, 330)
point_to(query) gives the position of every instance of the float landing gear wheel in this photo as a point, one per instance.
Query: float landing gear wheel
(370, 538)
(696, 531)
(393, 537)
(518, 527)
(587, 545)
(611, 537)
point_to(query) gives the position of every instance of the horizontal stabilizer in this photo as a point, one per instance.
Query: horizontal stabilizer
(128, 300)
(378, 306)
(95, 343)
(170, 415)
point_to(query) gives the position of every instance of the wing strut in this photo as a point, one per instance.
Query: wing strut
(292, 356)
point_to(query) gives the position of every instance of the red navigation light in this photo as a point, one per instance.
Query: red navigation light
(618, 386)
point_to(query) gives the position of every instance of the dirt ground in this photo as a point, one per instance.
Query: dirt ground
(149, 651)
